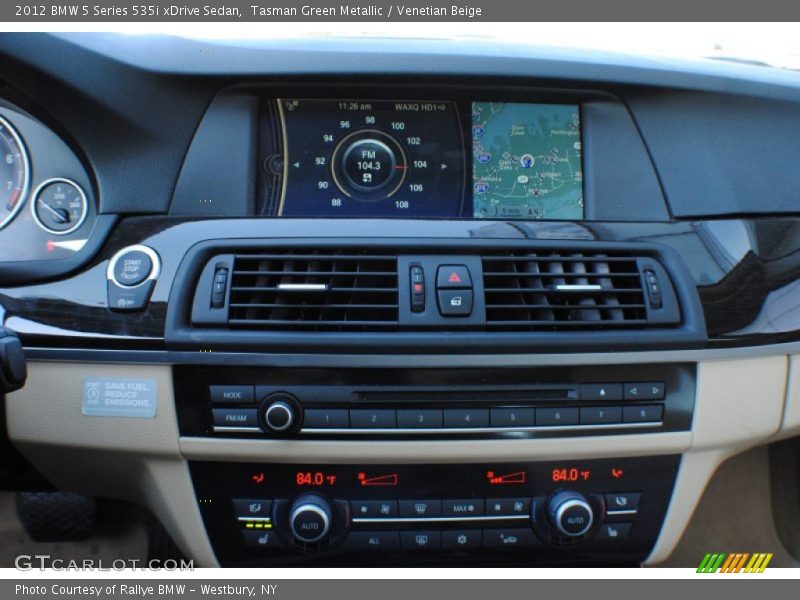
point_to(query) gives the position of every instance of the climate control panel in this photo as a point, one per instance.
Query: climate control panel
(590, 512)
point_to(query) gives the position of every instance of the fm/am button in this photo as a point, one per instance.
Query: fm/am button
(240, 418)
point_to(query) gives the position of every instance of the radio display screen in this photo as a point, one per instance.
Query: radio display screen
(421, 159)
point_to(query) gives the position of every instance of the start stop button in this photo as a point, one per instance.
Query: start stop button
(132, 268)
(131, 275)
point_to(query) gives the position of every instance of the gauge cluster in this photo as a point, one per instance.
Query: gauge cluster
(422, 159)
(47, 208)
(14, 173)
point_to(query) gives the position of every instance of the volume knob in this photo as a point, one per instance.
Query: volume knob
(570, 513)
(310, 519)
(281, 413)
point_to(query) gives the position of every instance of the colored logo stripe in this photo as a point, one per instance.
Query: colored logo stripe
(734, 563)
(758, 563)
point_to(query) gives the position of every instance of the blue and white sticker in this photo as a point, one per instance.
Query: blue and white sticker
(119, 397)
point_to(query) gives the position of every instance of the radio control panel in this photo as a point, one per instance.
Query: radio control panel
(325, 404)
(591, 511)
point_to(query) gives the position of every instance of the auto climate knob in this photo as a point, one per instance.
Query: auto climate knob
(570, 513)
(310, 519)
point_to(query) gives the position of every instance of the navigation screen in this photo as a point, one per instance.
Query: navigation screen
(420, 160)
(526, 161)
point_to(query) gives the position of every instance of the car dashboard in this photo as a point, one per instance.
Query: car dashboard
(328, 302)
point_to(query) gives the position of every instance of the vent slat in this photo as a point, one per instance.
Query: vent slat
(300, 306)
(537, 275)
(277, 290)
(334, 256)
(569, 324)
(555, 307)
(347, 290)
(565, 256)
(549, 290)
(319, 273)
(562, 290)
(310, 323)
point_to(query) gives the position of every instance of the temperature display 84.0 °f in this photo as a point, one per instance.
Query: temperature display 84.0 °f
(346, 158)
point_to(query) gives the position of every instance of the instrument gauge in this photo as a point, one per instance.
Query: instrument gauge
(59, 206)
(14, 172)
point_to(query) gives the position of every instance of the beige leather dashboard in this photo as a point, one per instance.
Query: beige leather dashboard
(740, 403)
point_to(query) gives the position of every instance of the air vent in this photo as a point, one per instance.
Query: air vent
(342, 290)
(563, 290)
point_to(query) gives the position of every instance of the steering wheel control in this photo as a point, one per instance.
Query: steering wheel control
(132, 273)
(609, 507)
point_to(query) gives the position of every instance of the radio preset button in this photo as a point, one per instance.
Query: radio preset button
(419, 419)
(373, 419)
(326, 418)
(650, 413)
(552, 417)
(420, 508)
(600, 415)
(512, 417)
(421, 540)
(463, 508)
(466, 417)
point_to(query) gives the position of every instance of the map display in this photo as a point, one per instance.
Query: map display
(526, 161)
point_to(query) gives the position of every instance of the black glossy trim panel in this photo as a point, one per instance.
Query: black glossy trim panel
(747, 272)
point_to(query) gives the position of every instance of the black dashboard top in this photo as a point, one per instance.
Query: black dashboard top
(131, 144)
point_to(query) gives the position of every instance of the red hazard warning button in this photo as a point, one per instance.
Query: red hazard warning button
(453, 277)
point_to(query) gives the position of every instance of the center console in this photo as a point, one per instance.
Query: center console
(551, 511)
